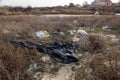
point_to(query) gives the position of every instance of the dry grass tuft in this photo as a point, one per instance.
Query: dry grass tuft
(14, 61)
(107, 66)
(93, 42)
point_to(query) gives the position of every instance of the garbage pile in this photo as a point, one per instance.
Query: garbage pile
(61, 52)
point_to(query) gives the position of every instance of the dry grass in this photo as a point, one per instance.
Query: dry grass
(97, 42)
(107, 66)
(47, 10)
(93, 42)
(28, 25)
(14, 61)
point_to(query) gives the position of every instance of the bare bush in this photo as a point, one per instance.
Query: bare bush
(107, 66)
(84, 43)
(14, 61)
(93, 42)
(97, 42)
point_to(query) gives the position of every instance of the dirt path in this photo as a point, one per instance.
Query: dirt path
(68, 71)
(64, 73)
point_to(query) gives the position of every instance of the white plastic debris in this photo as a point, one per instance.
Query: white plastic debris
(107, 27)
(62, 33)
(97, 13)
(75, 21)
(82, 32)
(79, 33)
(75, 39)
(72, 32)
(42, 34)
(32, 66)
(58, 32)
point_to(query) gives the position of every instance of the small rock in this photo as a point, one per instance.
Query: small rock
(45, 58)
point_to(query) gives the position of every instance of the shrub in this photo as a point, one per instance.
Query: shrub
(14, 61)
(107, 66)
(93, 42)
(97, 42)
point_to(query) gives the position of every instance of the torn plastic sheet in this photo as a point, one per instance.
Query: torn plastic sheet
(61, 53)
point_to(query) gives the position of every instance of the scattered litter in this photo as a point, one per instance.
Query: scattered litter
(97, 13)
(82, 32)
(17, 35)
(75, 21)
(66, 47)
(107, 27)
(60, 52)
(42, 34)
(58, 32)
(78, 34)
(32, 66)
(108, 49)
(72, 32)
(93, 28)
(25, 43)
(75, 39)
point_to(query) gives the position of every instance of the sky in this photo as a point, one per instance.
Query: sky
(42, 3)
